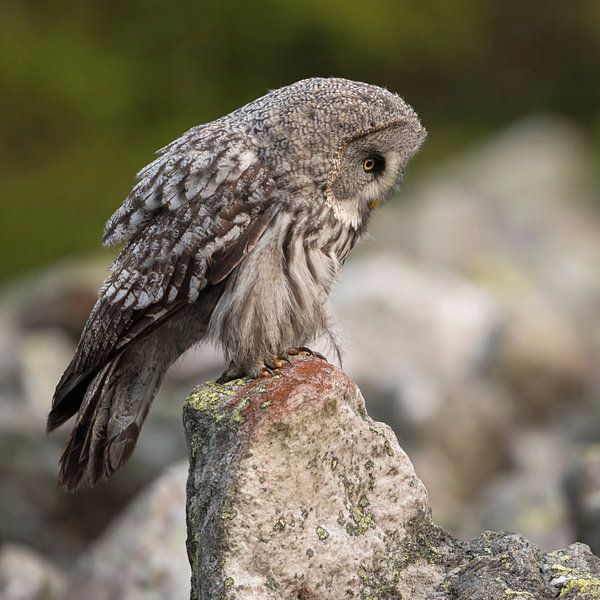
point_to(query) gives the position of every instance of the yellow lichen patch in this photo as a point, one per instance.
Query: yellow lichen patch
(582, 585)
(236, 414)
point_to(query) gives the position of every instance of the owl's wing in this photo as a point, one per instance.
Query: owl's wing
(194, 215)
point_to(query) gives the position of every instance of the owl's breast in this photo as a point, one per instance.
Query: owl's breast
(278, 296)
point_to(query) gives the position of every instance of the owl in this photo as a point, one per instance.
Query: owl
(236, 233)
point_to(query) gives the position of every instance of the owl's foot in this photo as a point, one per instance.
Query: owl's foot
(305, 350)
(274, 365)
(268, 368)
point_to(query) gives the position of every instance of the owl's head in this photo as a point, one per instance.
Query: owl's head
(338, 141)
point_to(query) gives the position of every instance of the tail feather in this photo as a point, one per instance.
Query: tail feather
(74, 458)
(109, 421)
(68, 397)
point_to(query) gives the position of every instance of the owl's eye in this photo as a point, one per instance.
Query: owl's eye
(374, 163)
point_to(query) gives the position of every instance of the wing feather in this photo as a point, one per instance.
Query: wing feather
(193, 216)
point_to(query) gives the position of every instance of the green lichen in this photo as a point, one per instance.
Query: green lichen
(362, 521)
(514, 594)
(362, 411)
(387, 448)
(236, 414)
(582, 585)
(279, 525)
(228, 583)
(322, 533)
(572, 580)
(423, 542)
(227, 514)
(194, 443)
(266, 404)
(271, 584)
(206, 400)
(215, 399)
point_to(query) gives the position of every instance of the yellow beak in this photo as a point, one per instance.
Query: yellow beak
(375, 203)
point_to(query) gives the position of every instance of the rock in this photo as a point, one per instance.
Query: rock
(574, 572)
(142, 554)
(24, 575)
(582, 491)
(497, 566)
(294, 492)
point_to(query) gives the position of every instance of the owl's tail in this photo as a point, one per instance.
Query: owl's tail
(109, 419)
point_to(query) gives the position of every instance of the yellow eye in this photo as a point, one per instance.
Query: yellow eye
(368, 164)
(374, 164)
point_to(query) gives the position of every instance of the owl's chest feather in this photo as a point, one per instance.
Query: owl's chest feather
(278, 297)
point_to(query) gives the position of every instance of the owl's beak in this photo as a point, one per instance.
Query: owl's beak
(375, 203)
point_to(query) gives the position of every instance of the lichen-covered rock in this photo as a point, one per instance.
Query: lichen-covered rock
(497, 565)
(294, 493)
(574, 572)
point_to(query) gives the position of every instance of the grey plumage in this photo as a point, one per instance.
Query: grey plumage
(236, 233)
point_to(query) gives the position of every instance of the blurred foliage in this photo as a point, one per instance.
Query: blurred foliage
(90, 89)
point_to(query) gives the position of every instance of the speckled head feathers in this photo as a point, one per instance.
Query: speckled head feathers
(328, 111)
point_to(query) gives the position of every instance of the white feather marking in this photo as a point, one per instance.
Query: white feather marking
(143, 300)
(135, 219)
(120, 295)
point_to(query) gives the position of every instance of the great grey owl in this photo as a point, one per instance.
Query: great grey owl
(236, 233)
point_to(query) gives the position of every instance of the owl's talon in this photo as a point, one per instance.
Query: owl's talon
(266, 372)
(304, 350)
(271, 365)
(284, 358)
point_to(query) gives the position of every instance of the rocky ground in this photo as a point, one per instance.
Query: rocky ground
(294, 492)
(472, 326)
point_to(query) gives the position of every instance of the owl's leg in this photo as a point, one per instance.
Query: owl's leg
(304, 350)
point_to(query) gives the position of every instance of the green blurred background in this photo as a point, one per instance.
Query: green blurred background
(89, 90)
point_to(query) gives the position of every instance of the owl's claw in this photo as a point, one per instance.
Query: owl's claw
(305, 350)
(269, 368)
(279, 360)
(266, 372)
